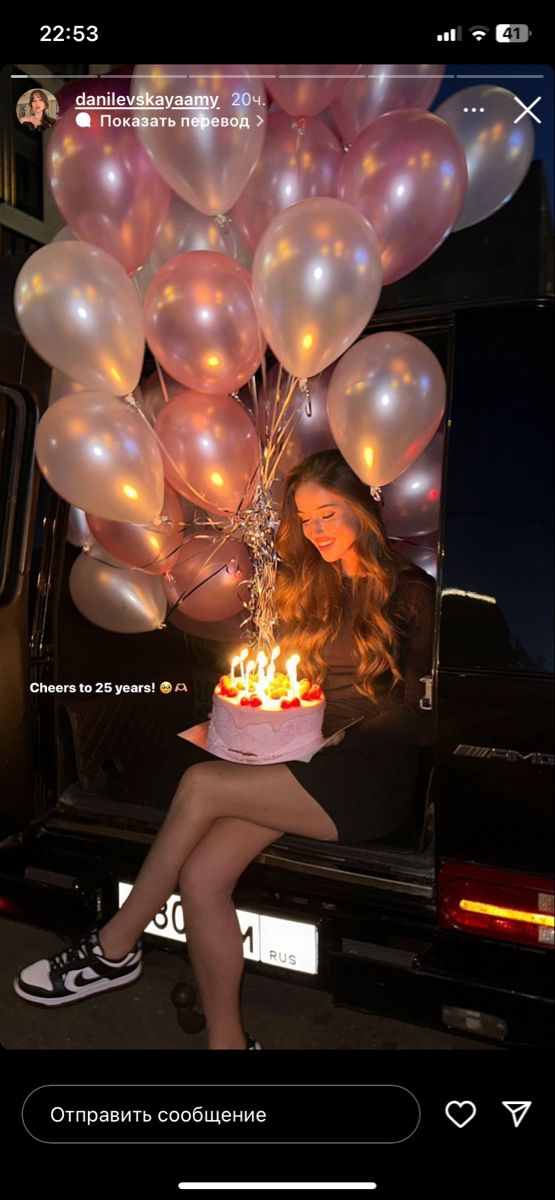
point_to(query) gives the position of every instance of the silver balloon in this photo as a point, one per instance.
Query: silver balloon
(411, 502)
(116, 598)
(78, 532)
(422, 556)
(385, 401)
(498, 146)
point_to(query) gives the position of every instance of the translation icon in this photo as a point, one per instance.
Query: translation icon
(517, 1109)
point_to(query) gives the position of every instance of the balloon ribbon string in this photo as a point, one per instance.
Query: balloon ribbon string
(185, 595)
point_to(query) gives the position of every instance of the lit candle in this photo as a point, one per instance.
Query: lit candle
(262, 662)
(234, 664)
(291, 668)
(272, 668)
(243, 655)
(250, 667)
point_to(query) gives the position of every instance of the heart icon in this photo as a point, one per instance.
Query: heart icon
(454, 1110)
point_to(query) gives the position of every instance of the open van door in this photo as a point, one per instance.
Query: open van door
(24, 383)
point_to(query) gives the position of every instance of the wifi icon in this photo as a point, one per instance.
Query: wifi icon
(478, 31)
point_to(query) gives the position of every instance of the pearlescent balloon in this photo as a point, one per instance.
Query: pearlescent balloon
(101, 456)
(185, 229)
(116, 598)
(497, 138)
(201, 322)
(385, 401)
(316, 282)
(207, 165)
(82, 314)
(411, 502)
(107, 188)
(155, 547)
(295, 163)
(381, 87)
(213, 575)
(304, 90)
(211, 450)
(407, 173)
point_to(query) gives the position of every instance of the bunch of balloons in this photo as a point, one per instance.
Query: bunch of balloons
(210, 239)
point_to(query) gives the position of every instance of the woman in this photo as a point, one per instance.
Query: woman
(362, 619)
(37, 118)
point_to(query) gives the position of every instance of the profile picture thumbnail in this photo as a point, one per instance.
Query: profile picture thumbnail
(37, 110)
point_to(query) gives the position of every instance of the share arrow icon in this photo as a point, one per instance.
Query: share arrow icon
(517, 1109)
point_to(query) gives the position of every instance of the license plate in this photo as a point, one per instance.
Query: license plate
(276, 941)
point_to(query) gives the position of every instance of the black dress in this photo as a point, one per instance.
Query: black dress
(366, 783)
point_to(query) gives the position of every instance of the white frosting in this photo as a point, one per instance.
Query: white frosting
(245, 734)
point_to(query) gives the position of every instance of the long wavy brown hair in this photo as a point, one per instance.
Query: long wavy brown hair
(310, 593)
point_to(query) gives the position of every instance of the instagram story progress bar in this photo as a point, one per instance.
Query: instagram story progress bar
(278, 1187)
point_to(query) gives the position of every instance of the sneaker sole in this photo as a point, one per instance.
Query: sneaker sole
(104, 985)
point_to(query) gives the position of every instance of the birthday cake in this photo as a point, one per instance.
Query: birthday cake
(264, 719)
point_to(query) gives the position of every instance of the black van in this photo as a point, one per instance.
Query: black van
(448, 922)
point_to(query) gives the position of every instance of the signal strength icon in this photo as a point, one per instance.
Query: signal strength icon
(451, 35)
(478, 32)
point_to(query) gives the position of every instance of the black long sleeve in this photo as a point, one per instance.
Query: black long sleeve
(402, 718)
(394, 715)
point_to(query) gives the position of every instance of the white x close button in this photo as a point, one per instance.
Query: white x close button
(527, 109)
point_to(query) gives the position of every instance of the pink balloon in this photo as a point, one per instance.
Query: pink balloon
(411, 502)
(70, 92)
(407, 173)
(303, 91)
(201, 322)
(207, 165)
(213, 631)
(213, 575)
(212, 450)
(296, 162)
(107, 188)
(154, 548)
(379, 89)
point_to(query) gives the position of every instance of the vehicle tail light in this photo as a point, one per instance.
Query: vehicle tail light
(500, 904)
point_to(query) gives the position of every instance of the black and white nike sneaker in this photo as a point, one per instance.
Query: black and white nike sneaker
(79, 971)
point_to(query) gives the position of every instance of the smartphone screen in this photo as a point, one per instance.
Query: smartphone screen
(276, 596)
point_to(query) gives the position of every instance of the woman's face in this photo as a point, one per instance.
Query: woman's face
(327, 520)
(37, 103)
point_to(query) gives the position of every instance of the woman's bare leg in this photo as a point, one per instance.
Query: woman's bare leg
(214, 941)
(269, 796)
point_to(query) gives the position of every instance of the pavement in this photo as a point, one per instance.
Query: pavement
(282, 1015)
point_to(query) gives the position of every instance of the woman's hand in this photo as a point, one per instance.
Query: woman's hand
(336, 739)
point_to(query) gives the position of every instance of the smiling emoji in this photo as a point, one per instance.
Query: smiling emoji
(166, 688)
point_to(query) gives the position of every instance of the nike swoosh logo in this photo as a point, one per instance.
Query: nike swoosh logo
(81, 980)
